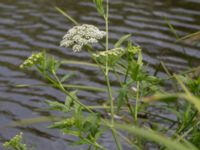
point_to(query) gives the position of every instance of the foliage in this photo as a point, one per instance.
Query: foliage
(99, 6)
(15, 143)
(135, 112)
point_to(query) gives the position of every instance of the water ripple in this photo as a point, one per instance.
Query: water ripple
(30, 26)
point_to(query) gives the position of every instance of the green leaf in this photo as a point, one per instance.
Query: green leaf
(48, 64)
(121, 40)
(91, 124)
(66, 123)
(57, 65)
(140, 58)
(66, 77)
(82, 141)
(161, 97)
(171, 27)
(54, 105)
(69, 101)
(134, 70)
(79, 118)
(66, 15)
(30, 121)
(99, 6)
(121, 96)
(67, 86)
(15, 143)
(193, 38)
(71, 132)
(148, 134)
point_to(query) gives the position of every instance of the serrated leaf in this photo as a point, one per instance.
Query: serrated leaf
(57, 66)
(71, 132)
(121, 96)
(135, 69)
(121, 40)
(64, 124)
(69, 102)
(91, 124)
(58, 106)
(80, 142)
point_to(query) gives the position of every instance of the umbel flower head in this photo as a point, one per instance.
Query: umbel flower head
(117, 52)
(81, 35)
(15, 143)
(112, 56)
(32, 60)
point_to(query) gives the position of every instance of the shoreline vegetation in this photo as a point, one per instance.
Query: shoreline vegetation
(135, 113)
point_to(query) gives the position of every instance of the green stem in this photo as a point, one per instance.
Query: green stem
(110, 98)
(136, 102)
(107, 79)
(119, 146)
(131, 109)
(107, 68)
(187, 132)
(107, 34)
(60, 86)
(72, 86)
(106, 20)
(126, 97)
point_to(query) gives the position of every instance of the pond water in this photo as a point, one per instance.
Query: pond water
(27, 26)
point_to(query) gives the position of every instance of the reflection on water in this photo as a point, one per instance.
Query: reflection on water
(27, 26)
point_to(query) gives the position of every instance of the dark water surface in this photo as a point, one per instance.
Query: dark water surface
(33, 25)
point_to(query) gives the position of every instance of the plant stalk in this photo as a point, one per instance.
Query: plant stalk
(136, 102)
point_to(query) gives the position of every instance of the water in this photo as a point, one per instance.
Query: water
(34, 25)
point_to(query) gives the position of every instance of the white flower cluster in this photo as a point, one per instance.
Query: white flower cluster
(81, 35)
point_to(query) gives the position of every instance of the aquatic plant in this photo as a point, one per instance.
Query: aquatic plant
(127, 113)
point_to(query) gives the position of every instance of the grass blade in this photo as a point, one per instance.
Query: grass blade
(80, 87)
(156, 137)
(121, 40)
(66, 15)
